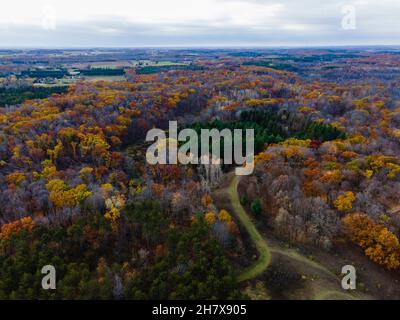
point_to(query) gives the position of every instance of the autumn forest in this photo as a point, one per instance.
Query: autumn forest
(77, 193)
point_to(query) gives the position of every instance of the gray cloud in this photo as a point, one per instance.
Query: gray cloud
(307, 22)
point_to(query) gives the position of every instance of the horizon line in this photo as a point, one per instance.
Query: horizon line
(206, 46)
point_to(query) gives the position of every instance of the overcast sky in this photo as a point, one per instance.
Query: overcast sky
(65, 23)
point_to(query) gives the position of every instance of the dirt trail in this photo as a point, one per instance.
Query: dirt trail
(262, 247)
(265, 250)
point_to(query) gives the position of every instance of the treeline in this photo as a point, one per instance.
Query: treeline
(12, 96)
(273, 65)
(322, 57)
(45, 73)
(157, 69)
(285, 124)
(275, 127)
(102, 72)
(63, 72)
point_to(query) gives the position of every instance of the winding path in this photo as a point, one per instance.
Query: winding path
(265, 250)
(265, 256)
